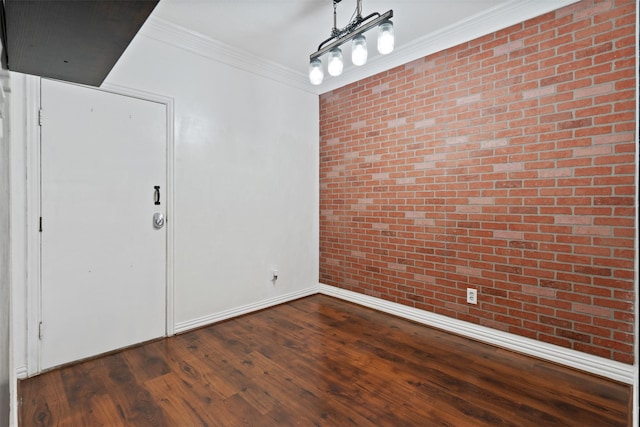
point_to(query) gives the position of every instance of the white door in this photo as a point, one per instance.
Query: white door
(103, 260)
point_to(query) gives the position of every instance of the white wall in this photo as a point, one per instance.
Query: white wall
(5, 283)
(246, 186)
(246, 155)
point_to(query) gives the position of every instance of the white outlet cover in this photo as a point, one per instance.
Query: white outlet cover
(472, 296)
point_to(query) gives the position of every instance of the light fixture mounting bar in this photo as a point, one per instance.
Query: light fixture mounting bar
(345, 38)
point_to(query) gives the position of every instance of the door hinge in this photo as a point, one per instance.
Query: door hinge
(40, 117)
(40, 225)
(40, 330)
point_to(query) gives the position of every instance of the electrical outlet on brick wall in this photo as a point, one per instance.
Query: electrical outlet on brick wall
(472, 296)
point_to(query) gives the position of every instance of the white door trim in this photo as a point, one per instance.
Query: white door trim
(170, 196)
(34, 295)
(32, 136)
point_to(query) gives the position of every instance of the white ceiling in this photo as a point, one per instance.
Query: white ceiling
(286, 32)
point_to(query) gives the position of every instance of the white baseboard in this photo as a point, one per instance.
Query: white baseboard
(575, 359)
(21, 372)
(585, 362)
(245, 309)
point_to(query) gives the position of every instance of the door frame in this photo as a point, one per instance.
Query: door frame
(33, 201)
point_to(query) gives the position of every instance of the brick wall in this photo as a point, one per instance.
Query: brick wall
(505, 164)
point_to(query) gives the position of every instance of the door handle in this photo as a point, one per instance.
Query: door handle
(156, 195)
(158, 220)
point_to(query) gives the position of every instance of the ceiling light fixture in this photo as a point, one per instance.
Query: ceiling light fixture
(353, 31)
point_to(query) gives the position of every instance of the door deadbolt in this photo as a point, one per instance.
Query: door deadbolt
(156, 195)
(158, 220)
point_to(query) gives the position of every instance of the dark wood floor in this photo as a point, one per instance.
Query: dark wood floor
(320, 361)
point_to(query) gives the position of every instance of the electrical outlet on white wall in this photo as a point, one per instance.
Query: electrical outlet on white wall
(274, 274)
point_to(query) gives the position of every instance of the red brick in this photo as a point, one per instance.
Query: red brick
(506, 163)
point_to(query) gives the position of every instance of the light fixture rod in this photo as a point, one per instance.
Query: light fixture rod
(345, 38)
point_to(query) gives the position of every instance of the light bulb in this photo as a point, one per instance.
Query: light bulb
(334, 66)
(315, 71)
(359, 50)
(385, 37)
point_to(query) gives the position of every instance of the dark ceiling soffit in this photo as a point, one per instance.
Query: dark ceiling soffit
(71, 40)
(3, 38)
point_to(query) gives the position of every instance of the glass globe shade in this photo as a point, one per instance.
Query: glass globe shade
(315, 72)
(335, 64)
(385, 38)
(359, 50)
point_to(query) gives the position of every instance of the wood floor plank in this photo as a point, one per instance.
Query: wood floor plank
(402, 385)
(146, 361)
(274, 375)
(179, 411)
(182, 405)
(320, 361)
(44, 402)
(483, 372)
(133, 401)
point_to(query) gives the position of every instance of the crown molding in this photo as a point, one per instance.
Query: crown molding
(491, 20)
(175, 35)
